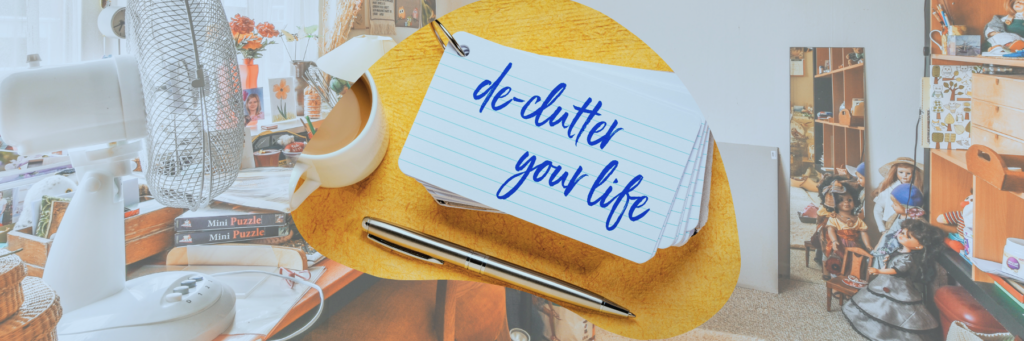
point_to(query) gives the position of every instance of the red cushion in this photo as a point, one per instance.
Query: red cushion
(955, 304)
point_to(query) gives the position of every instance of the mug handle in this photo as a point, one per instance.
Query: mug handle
(298, 195)
(942, 48)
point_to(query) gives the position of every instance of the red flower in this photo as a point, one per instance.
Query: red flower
(240, 24)
(267, 30)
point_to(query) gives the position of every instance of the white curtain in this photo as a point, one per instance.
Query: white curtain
(51, 28)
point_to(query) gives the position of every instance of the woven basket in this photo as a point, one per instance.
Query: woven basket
(38, 316)
(12, 272)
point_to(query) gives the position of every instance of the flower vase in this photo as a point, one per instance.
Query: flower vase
(298, 70)
(249, 72)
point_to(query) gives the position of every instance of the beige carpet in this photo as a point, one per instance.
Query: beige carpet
(796, 313)
(798, 231)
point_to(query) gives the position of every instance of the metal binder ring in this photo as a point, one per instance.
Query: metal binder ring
(462, 50)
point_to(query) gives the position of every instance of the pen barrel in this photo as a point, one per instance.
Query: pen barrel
(427, 247)
(534, 281)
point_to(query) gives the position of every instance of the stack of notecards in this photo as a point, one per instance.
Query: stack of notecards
(614, 157)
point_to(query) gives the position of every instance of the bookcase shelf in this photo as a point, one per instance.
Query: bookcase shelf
(963, 60)
(840, 144)
(996, 213)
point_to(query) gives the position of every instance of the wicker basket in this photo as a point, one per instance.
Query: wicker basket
(12, 272)
(38, 316)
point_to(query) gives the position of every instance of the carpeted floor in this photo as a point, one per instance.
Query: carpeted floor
(796, 313)
(798, 231)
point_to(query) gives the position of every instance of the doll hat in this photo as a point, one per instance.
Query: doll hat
(884, 170)
(908, 194)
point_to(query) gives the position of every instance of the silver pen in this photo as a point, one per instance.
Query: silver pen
(437, 251)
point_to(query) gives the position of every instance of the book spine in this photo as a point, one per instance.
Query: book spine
(1000, 282)
(229, 235)
(230, 221)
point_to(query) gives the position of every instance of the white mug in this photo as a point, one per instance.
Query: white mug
(347, 147)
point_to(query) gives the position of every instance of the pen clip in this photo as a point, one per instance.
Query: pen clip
(405, 251)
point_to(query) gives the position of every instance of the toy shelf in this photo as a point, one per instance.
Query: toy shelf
(996, 213)
(974, 15)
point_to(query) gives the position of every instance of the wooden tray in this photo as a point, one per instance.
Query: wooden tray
(677, 290)
(991, 167)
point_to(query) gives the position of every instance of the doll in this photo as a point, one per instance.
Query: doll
(907, 202)
(956, 218)
(842, 228)
(858, 173)
(1004, 33)
(826, 208)
(892, 305)
(899, 171)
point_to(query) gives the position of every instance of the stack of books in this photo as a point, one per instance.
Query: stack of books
(1011, 286)
(216, 225)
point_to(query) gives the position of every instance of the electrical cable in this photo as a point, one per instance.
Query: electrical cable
(319, 310)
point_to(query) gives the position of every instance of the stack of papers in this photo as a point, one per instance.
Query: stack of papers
(614, 157)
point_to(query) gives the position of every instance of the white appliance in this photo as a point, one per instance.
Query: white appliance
(181, 92)
(175, 305)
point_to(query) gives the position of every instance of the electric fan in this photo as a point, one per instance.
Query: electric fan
(181, 92)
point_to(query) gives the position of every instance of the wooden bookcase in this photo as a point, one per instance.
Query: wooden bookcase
(997, 214)
(839, 144)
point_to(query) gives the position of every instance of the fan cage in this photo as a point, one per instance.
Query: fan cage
(193, 98)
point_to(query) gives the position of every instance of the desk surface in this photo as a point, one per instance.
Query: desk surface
(335, 277)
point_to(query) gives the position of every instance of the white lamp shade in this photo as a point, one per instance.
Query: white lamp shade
(350, 60)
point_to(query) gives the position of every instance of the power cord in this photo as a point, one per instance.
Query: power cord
(319, 310)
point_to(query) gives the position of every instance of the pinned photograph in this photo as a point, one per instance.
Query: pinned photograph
(282, 99)
(252, 100)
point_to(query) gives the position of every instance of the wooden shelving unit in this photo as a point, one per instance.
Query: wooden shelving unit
(839, 144)
(997, 214)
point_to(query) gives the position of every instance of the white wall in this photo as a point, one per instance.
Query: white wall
(733, 56)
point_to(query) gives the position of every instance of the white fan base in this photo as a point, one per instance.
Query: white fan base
(149, 309)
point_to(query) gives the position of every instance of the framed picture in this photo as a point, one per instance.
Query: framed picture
(252, 104)
(429, 12)
(283, 101)
(407, 13)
